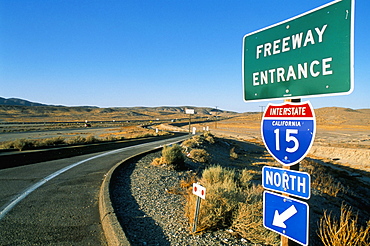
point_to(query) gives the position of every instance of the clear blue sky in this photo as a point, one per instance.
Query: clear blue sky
(148, 53)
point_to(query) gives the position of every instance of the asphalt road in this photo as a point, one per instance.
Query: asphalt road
(56, 202)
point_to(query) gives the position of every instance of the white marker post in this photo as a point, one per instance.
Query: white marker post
(189, 112)
(200, 192)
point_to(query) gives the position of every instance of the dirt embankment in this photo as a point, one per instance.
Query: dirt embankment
(357, 158)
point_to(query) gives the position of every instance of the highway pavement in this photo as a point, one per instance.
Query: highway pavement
(56, 202)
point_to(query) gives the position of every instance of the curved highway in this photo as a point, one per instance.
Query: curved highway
(56, 202)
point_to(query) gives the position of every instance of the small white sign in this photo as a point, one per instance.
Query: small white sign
(199, 190)
(189, 111)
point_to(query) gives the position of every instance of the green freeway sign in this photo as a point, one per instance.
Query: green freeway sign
(306, 56)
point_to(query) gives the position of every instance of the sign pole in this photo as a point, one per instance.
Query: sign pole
(200, 192)
(189, 124)
(196, 215)
(284, 240)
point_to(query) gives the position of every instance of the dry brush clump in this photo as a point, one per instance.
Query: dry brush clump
(195, 147)
(322, 179)
(345, 231)
(172, 157)
(231, 202)
(199, 140)
(248, 221)
(233, 154)
(199, 155)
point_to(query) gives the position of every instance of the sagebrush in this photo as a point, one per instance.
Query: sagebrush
(232, 201)
(172, 157)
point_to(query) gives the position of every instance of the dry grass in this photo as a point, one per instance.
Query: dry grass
(245, 177)
(248, 220)
(231, 202)
(322, 180)
(131, 132)
(25, 144)
(344, 231)
(124, 133)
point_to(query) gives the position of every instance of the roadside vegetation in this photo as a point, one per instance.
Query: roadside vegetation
(234, 193)
(29, 144)
(343, 231)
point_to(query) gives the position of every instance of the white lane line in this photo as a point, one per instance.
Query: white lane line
(33, 187)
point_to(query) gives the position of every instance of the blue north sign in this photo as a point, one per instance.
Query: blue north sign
(288, 131)
(287, 181)
(287, 216)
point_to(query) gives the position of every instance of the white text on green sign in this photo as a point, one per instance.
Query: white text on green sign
(309, 55)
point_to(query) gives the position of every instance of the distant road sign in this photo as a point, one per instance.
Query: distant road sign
(305, 56)
(287, 181)
(288, 131)
(286, 216)
(189, 111)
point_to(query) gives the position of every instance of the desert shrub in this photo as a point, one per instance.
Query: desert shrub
(173, 156)
(199, 155)
(49, 142)
(217, 174)
(193, 142)
(7, 145)
(248, 220)
(22, 144)
(91, 139)
(322, 180)
(327, 184)
(112, 137)
(77, 140)
(57, 141)
(143, 135)
(209, 137)
(189, 179)
(245, 177)
(233, 154)
(344, 231)
(223, 197)
(231, 201)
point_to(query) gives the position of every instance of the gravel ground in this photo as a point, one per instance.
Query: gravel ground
(149, 214)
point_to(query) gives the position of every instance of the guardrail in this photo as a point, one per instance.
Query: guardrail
(13, 159)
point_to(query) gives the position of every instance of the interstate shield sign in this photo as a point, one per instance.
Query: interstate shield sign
(288, 131)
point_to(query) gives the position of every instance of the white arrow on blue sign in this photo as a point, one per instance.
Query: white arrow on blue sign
(286, 216)
(287, 181)
(288, 131)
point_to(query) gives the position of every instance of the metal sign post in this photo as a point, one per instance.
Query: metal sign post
(200, 192)
(309, 55)
(288, 131)
(286, 241)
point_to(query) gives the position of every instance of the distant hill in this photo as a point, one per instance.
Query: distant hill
(19, 102)
(18, 110)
